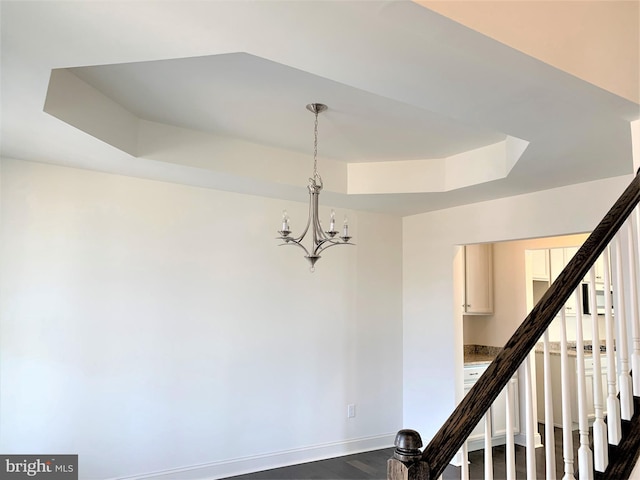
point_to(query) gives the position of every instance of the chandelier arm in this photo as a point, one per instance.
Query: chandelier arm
(313, 219)
(329, 243)
(294, 242)
(332, 241)
(306, 228)
(323, 234)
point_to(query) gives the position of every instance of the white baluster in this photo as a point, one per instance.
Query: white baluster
(613, 405)
(464, 464)
(530, 438)
(567, 436)
(549, 437)
(510, 446)
(488, 450)
(624, 379)
(585, 458)
(600, 445)
(632, 247)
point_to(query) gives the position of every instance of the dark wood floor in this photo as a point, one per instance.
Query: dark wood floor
(373, 465)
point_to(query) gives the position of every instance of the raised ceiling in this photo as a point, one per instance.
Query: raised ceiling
(424, 113)
(254, 99)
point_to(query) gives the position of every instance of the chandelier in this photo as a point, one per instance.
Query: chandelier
(320, 240)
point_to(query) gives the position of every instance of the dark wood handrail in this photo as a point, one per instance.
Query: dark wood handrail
(448, 440)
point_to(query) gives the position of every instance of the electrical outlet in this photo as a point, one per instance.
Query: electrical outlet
(351, 410)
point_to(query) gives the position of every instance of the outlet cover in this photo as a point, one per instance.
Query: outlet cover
(351, 410)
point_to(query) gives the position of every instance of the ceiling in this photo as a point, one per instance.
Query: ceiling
(251, 98)
(424, 113)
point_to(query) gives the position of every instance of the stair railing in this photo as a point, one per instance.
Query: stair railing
(410, 463)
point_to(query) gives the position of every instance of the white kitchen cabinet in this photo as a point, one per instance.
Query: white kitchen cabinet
(478, 279)
(556, 387)
(540, 264)
(499, 411)
(477, 435)
(471, 375)
(599, 266)
(600, 270)
(556, 257)
(559, 257)
(588, 376)
(475, 441)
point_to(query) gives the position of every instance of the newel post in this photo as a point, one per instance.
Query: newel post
(407, 463)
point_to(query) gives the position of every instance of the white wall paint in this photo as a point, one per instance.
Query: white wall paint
(432, 329)
(150, 326)
(577, 37)
(635, 143)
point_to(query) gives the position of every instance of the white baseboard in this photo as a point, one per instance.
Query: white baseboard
(256, 463)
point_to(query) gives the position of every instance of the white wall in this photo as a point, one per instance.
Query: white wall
(635, 144)
(432, 328)
(149, 326)
(577, 37)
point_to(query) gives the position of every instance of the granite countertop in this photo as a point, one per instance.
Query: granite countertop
(554, 348)
(478, 354)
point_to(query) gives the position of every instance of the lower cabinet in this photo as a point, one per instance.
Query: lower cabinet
(498, 411)
(556, 387)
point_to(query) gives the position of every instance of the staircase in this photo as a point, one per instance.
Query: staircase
(609, 445)
(624, 456)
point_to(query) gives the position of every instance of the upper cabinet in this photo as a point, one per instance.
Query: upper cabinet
(560, 257)
(478, 281)
(599, 270)
(540, 264)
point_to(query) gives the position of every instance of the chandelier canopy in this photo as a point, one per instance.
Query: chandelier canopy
(320, 240)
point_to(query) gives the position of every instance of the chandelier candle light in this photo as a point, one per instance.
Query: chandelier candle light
(320, 239)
